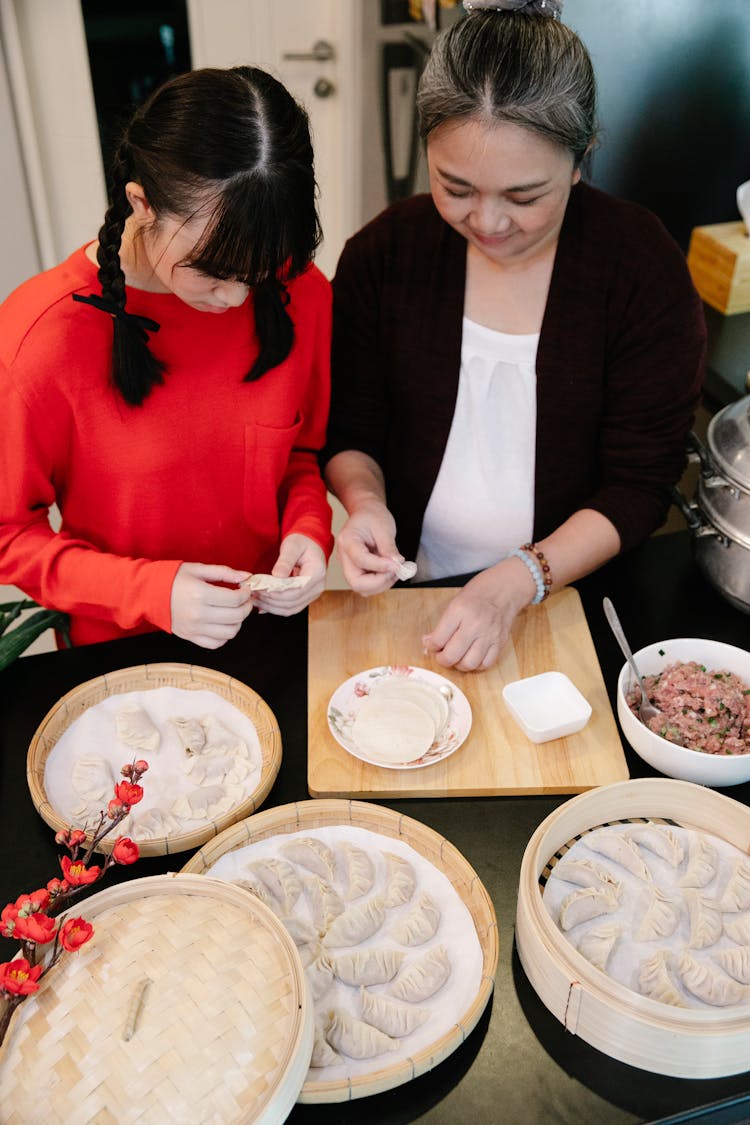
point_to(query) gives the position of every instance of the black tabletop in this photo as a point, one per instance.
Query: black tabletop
(519, 1064)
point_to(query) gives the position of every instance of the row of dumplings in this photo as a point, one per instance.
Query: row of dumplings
(324, 897)
(207, 735)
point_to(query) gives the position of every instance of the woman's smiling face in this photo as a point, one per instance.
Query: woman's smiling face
(503, 187)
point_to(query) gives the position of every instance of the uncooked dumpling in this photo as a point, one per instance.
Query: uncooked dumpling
(135, 728)
(737, 891)
(357, 923)
(660, 919)
(281, 879)
(619, 848)
(191, 734)
(300, 930)
(419, 925)
(359, 871)
(738, 929)
(706, 923)
(269, 583)
(356, 1038)
(389, 1016)
(703, 862)
(221, 740)
(207, 802)
(205, 769)
(92, 780)
(400, 880)
(585, 873)
(581, 906)
(323, 1053)
(654, 980)
(424, 977)
(660, 840)
(325, 902)
(367, 966)
(736, 962)
(312, 854)
(597, 944)
(319, 975)
(154, 824)
(709, 983)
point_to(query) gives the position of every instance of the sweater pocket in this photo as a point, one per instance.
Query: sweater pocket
(267, 452)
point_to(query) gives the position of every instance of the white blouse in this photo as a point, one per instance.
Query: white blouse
(482, 505)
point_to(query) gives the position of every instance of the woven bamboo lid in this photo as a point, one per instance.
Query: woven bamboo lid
(146, 677)
(442, 854)
(159, 1018)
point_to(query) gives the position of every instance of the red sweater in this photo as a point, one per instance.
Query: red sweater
(209, 469)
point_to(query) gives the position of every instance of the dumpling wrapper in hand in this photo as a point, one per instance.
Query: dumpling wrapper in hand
(392, 730)
(270, 584)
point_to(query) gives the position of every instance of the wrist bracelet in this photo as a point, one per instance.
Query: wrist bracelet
(542, 565)
(535, 571)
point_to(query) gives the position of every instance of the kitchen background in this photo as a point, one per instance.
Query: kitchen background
(674, 83)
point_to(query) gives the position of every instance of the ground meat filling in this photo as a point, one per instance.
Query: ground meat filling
(701, 710)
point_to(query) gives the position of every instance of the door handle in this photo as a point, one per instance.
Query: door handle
(322, 51)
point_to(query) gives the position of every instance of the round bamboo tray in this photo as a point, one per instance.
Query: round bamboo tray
(681, 1043)
(158, 1019)
(145, 677)
(442, 854)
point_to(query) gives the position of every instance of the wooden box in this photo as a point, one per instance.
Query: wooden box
(680, 1042)
(719, 263)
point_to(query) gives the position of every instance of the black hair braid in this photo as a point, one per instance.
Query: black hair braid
(134, 369)
(273, 326)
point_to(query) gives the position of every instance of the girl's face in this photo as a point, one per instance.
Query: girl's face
(503, 187)
(162, 247)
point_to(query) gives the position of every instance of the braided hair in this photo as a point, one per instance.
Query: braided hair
(240, 135)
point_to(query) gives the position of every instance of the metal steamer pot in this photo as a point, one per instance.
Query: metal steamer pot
(719, 514)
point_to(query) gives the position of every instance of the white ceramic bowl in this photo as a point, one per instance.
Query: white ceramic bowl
(715, 770)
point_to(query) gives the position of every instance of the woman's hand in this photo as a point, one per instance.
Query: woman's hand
(367, 550)
(204, 612)
(477, 622)
(298, 556)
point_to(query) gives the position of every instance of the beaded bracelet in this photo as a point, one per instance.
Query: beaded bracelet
(541, 563)
(535, 571)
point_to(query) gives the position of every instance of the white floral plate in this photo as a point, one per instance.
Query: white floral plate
(346, 700)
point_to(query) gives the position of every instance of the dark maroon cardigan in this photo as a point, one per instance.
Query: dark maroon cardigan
(619, 366)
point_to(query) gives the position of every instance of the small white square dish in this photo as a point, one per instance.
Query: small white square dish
(547, 706)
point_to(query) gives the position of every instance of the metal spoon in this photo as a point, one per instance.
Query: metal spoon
(646, 709)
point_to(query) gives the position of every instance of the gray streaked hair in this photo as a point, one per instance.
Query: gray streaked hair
(529, 70)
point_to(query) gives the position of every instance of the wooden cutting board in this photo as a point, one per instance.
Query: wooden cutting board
(349, 634)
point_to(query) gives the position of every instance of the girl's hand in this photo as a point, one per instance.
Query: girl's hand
(204, 612)
(298, 556)
(367, 550)
(477, 622)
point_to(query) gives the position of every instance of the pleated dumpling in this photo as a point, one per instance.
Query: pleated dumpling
(738, 928)
(400, 880)
(280, 878)
(660, 919)
(708, 982)
(706, 923)
(325, 901)
(654, 980)
(585, 872)
(585, 904)
(660, 840)
(311, 854)
(703, 862)
(135, 727)
(191, 734)
(419, 925)
(92, 780)
(221, 740)
(207, 802)
(355, 1038)
(390, 1016)
(597, 944)
(357, 923)
(155, 824)
(359, 871)
(323, 1053)
(737, 891)
(319, 975)
(424, 977)
(300, 930)
(204, 769)
(736, 962)
(367, 966)
(616, 846)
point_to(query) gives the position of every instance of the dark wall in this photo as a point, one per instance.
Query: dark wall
(674, 89)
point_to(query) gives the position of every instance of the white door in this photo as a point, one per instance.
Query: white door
(49, 74)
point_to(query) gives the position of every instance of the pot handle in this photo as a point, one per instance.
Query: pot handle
(697, 451)
(689, 511)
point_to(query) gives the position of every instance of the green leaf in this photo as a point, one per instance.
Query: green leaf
(15, 642)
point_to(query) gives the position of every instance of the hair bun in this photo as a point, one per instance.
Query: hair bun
(551, 8)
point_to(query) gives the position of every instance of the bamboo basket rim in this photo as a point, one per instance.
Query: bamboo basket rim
(138, 895)
(144, 677)
(682, 803)
(438, 850)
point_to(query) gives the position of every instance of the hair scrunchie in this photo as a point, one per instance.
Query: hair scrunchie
(551, 8)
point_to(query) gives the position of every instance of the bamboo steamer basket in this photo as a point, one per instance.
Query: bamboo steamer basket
(158, 1018)
(681, 1043)
(435, 848)
(146, 677)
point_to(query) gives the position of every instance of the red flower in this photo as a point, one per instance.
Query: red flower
(128, 793)
(34, 927)
(57, 887)
(76, 837)
(75, 933)
(8, 920)
(61, 837)
(141, 766)
(30, 904)
(19, 977)
(124, 851)
(115, 809)
(77, 874)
